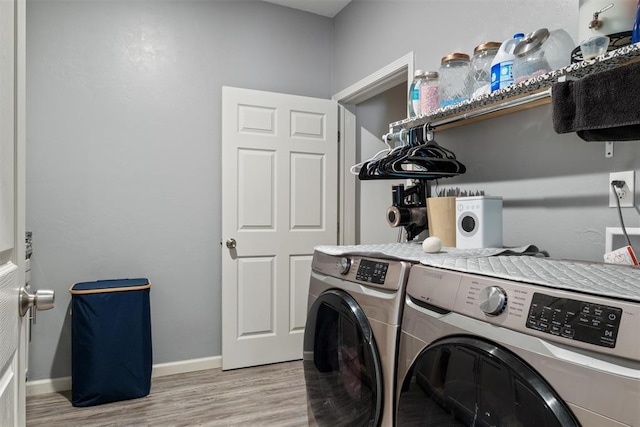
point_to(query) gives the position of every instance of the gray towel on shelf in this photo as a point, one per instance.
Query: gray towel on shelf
(600, 107)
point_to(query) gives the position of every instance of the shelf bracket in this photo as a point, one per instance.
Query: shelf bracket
(608, 149)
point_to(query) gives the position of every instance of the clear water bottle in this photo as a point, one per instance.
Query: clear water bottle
(414, 93)
(453, 72)
(429, 99)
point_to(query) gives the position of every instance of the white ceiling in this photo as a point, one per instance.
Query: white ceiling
(328, 8)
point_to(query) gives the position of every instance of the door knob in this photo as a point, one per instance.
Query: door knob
(43, 299)
(231, 243)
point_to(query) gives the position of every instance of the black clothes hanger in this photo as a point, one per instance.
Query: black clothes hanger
(421, 158)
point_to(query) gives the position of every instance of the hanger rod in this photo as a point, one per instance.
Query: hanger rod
(493, 108)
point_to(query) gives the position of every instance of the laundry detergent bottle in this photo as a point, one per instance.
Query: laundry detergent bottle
(502, 64)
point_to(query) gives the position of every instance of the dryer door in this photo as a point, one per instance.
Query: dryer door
(465, 381)
(341, 364)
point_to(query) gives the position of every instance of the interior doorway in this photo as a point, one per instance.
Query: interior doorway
(373, 197)
(380, 99)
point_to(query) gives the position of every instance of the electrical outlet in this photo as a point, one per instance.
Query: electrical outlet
(626, 194)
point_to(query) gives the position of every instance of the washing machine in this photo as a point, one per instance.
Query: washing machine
(351, 339)
(557, 346)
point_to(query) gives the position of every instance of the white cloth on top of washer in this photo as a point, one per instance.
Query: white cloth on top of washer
(412, 251)
(609, 280)
(595, 278)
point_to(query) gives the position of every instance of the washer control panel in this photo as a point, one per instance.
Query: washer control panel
(592, 322)
(372, 271)
(578, 320)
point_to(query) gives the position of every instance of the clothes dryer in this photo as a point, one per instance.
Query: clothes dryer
(485, 351)
(351, 339)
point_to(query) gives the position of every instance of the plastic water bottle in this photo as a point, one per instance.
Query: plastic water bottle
(502, 64)
(414, 93)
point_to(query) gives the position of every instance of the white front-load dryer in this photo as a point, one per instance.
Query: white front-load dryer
(482, 351)
(351, 339)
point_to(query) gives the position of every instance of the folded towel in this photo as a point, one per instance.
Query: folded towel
(600, 107)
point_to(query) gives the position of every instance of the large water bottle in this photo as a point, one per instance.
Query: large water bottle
(414, 93)
(502, 64)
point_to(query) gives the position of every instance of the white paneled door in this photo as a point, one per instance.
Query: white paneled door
(279, 200)
(12, 381)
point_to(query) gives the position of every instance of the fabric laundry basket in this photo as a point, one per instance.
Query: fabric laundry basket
(111, 354)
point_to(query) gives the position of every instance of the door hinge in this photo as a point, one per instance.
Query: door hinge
(338, 136)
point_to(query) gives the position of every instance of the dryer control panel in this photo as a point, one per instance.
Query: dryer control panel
(569, 318)
(372, 271)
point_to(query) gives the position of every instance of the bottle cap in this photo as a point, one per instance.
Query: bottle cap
(418, 73)
(518, 36)
(431, 74)
(454, 56)
(486, 46)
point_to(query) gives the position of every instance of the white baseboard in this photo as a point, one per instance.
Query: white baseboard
(56, 385)
(52, 385)
(183, 366)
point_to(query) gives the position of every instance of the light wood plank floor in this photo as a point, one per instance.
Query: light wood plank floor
(272, 395)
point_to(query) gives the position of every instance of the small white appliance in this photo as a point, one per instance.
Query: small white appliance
(351, 338)
(478, 222)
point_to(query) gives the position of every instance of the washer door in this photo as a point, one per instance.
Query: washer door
(464, 381)
(341, 363)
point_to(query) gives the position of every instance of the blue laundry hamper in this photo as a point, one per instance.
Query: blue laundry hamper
(111, 354)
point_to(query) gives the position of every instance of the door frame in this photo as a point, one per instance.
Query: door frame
(20, 191)
(374, 84)
(12, 371)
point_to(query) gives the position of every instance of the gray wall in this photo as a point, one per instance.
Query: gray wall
(374, 197)
(123, 149)
(555, 187)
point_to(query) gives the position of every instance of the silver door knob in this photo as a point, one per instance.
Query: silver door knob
(43, 299)
(231, 243)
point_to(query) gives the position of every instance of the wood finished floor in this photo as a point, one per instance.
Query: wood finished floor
(272, 395)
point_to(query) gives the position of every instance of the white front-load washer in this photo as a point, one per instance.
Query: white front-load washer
(351, 339)
(485, 351)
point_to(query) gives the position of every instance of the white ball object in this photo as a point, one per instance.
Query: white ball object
(431, 245)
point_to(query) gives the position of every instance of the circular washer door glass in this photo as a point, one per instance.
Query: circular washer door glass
(464, 381)
(341, 364)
